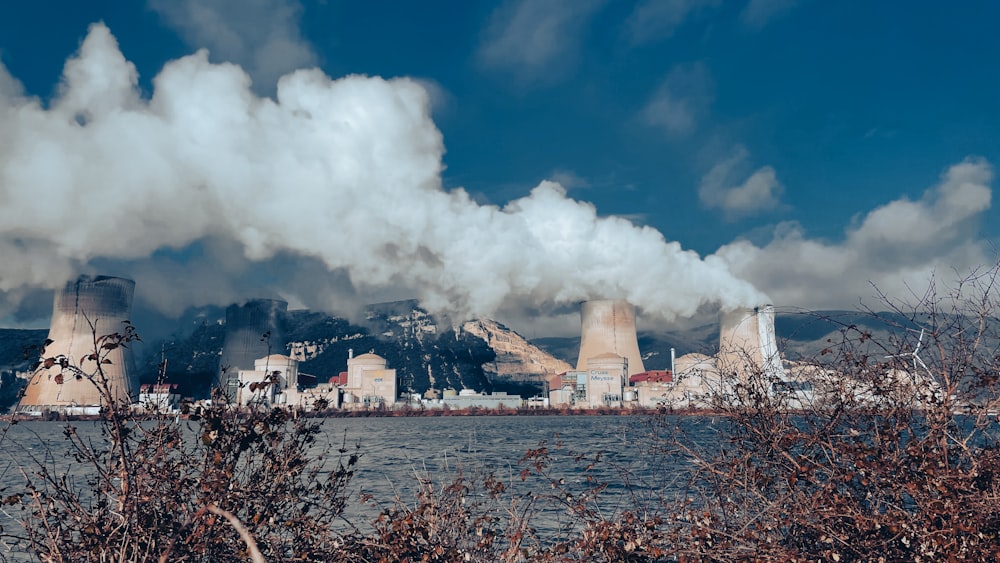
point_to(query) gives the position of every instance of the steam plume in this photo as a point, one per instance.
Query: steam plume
(207, 183)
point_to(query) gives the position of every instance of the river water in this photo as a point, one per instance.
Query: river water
(398, 452)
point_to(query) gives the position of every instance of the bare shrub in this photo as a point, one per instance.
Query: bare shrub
(456, 521)
(224, 485)
(896, 460)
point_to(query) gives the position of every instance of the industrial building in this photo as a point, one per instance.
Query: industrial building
(271, 376)
(610, 370)
(747, 343)
(606, 376)
(568, 389)
(85, 310)
(608, 326)
(651, 389)
(695, 380)
(277, 381)
(254, 329)
(370, 383)
(468, 398)
(158, 398)
(652, 376)
(609, 355)
(320, 397)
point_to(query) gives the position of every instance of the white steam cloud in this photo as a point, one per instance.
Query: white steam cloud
(329, 191)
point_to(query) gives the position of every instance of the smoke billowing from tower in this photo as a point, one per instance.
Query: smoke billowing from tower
(326, 159)
(747, 343)
(84, 310)
(253, 330)
(609, 326)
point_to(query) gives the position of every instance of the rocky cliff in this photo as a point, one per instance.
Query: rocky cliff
(517, 360)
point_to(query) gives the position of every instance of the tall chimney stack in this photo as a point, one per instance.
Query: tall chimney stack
(89, 307)
(747, 342)
(253, 330)
(608, 326)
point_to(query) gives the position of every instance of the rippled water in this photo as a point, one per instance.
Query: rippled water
(397, 452)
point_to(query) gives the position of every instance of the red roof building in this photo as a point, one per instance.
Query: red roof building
(652, 376)
(339, 379)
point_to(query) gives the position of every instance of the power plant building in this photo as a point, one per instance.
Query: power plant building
(468, 398)
(606, 376)
(254, 329)
(695, 380)
(86, 309)
(568, 388)
(608, 326)
(277, 381)
(369, 381)
(158, 398)
(747, 343)
(272, 375)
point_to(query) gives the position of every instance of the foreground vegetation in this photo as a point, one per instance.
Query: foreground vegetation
(908, 474)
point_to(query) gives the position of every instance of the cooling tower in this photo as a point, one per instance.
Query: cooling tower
(245, 341)
(747, 343)
(85, 308)
(608, 326)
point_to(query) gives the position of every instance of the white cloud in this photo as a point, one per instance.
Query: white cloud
(441, 99)
(569, 179)
(897, 246)
(681, 99)
(330, 193)
(536, 40)
(722, 189)
(758, 13)
(10, 87)
(652, 20)
(262, 36)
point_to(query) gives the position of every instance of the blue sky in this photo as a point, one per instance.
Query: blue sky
(792, 144)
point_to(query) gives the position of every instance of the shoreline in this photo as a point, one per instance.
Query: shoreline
(395, 413)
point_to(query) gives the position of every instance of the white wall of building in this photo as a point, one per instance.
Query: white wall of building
(369, 382)
(606, 376)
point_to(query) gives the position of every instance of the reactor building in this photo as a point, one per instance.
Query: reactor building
(608, 327)
(369, 381)
(83, 311)
(254, 329)
(747, 343)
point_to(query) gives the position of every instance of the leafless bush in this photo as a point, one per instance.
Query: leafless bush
(897, 461)
(455, 521)
(224, 485)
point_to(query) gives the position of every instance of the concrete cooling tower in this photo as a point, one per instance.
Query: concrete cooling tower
(608, 326)
(85, 308)
(245, 341)
(747, 343)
